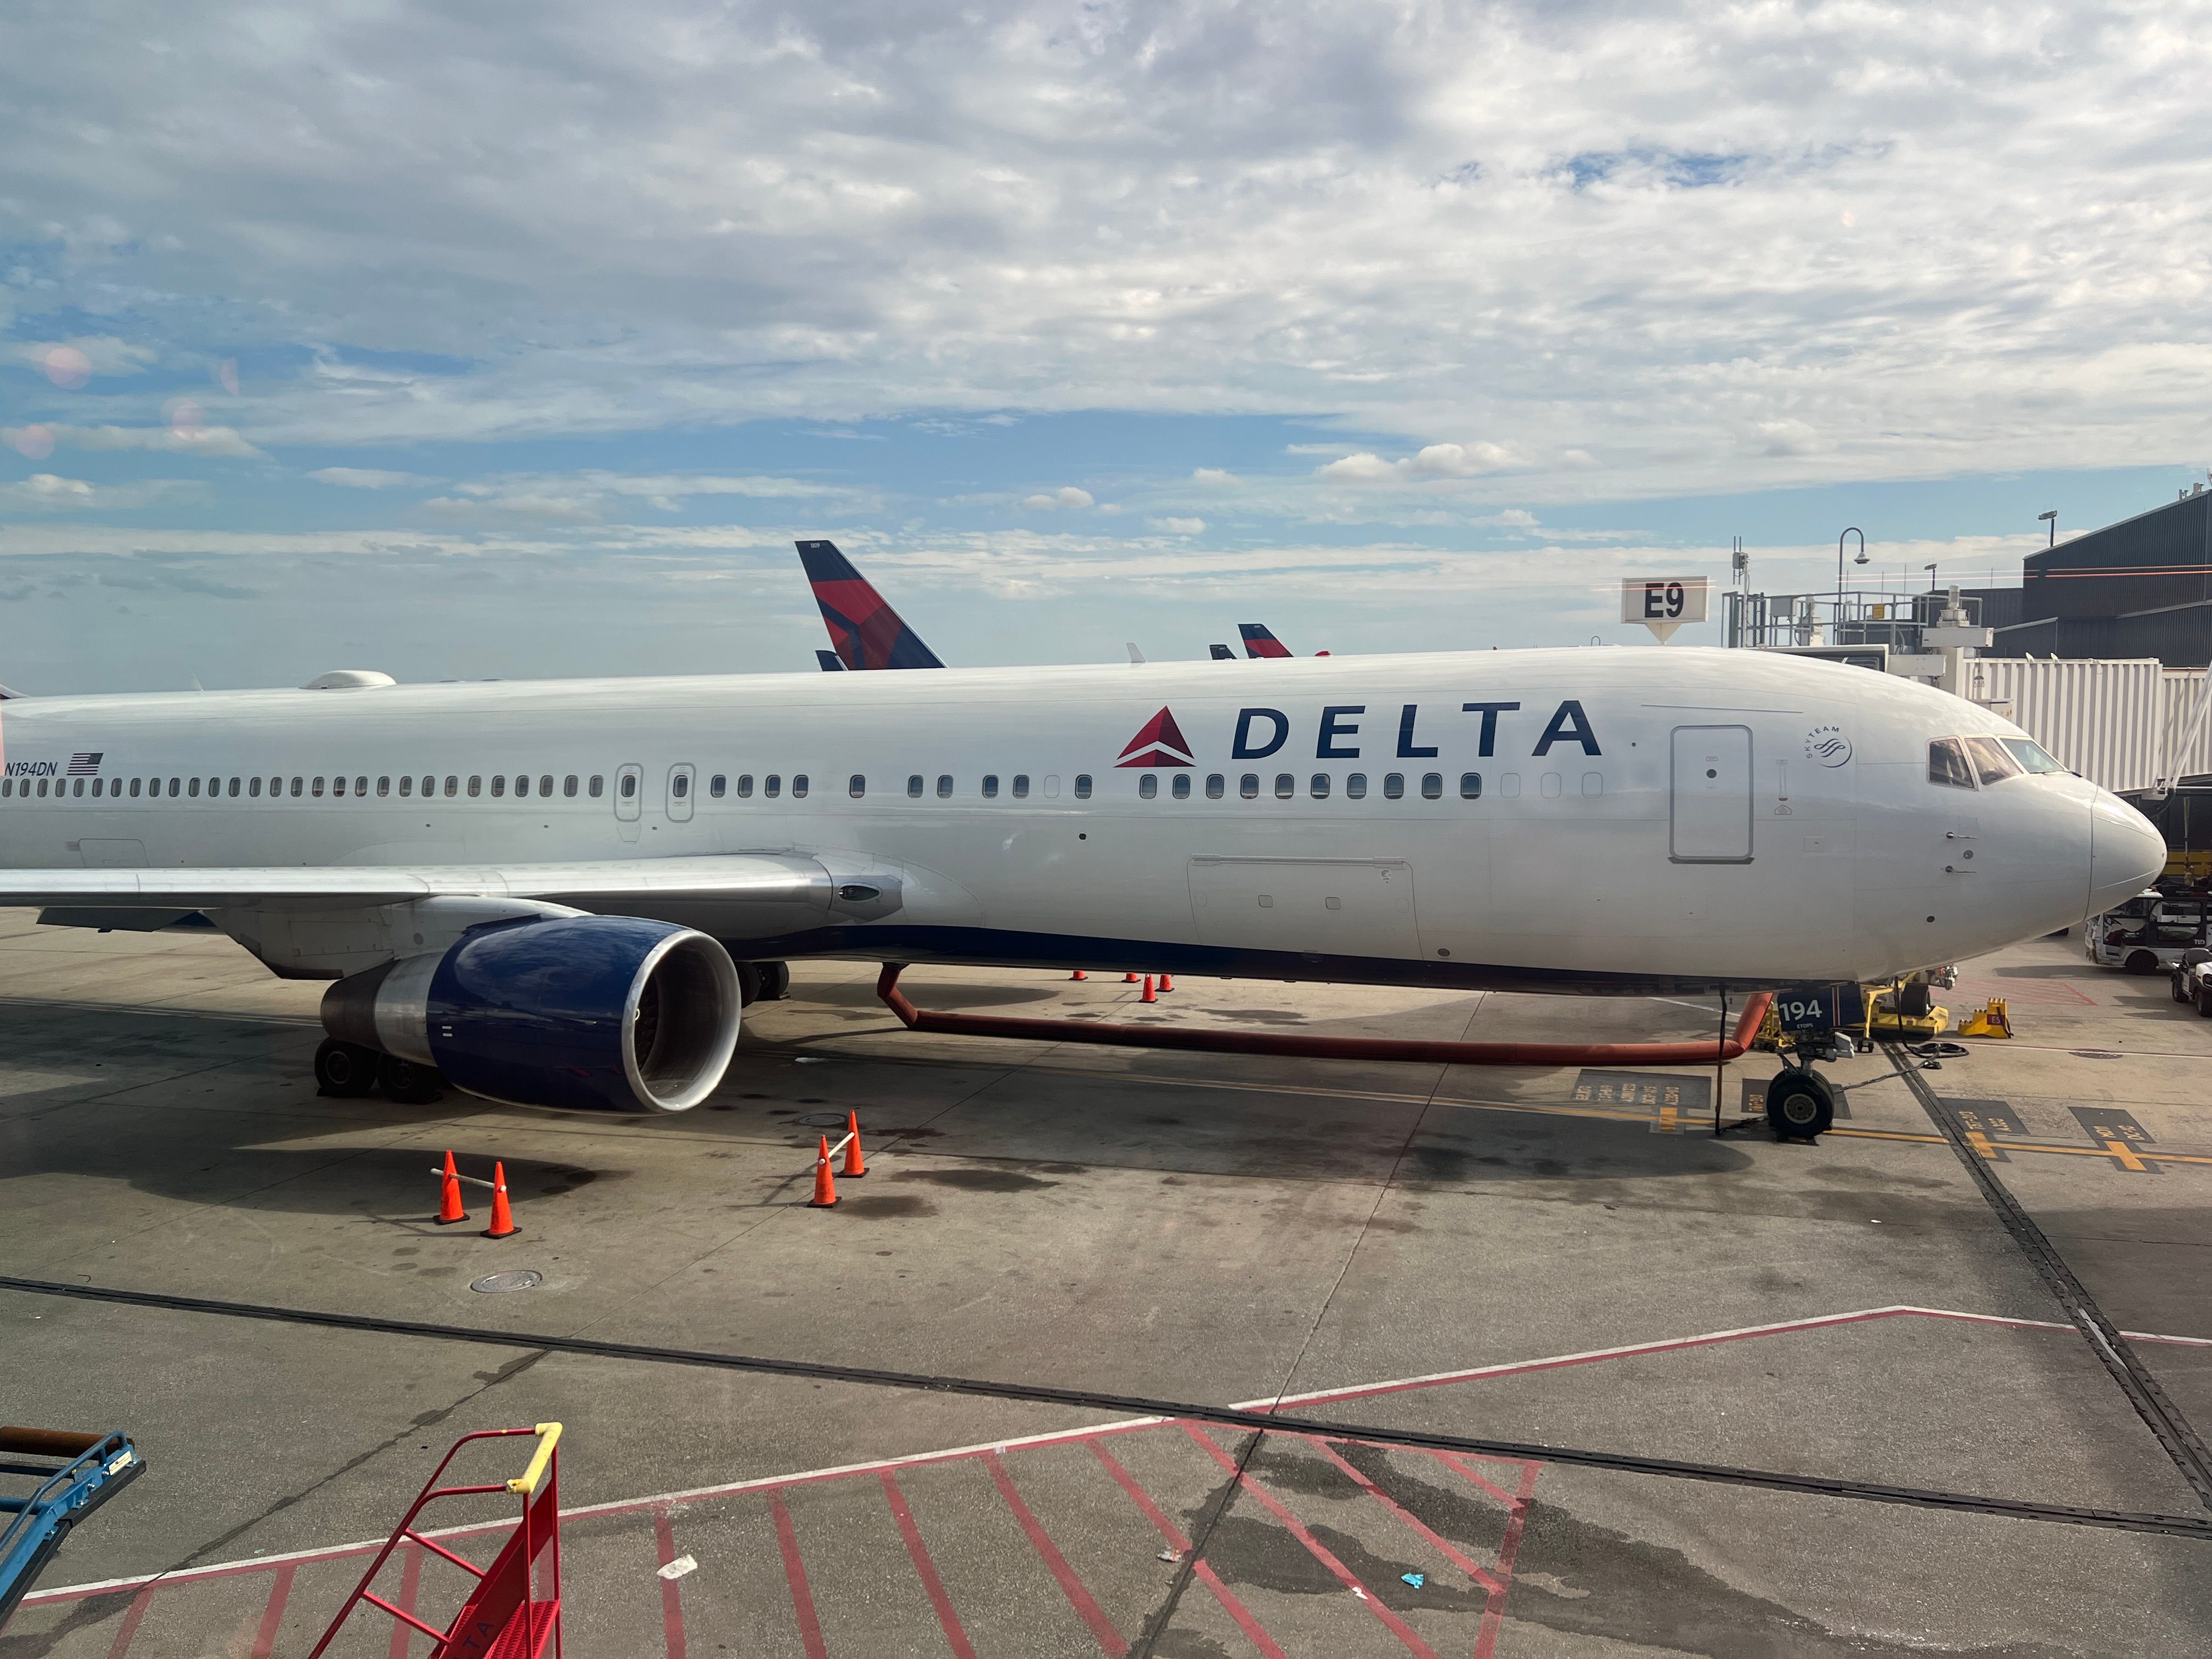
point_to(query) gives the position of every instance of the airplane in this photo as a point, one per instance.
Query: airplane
(868, 633)
(563, 893)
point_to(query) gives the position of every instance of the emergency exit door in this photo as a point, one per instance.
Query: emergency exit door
(1710, 815)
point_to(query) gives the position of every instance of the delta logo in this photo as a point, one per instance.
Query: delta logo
(1160, 744)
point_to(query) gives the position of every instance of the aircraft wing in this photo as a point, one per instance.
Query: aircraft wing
(624, 885)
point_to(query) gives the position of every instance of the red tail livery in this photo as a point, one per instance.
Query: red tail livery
(866, 631)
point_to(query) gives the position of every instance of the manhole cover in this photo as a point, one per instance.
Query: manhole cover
(523, 1278)
(820, 1121)
(2094, 1054)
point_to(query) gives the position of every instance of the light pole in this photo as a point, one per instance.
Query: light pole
(1852, 530)
(1930, 569)
(2051, 519)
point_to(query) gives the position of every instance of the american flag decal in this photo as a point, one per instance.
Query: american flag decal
(84, 766)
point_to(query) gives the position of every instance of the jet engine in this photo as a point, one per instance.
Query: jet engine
(607, 1014)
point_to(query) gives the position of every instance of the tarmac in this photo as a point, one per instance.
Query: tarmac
(1059, 1253)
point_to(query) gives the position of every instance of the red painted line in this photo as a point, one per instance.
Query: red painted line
(411, 1582)
(1494, 1616)
(1109, 1639)
(264, 1643)
(1442, 1545)
(1205, 1574)
(672, 1592)
(802, 1598)
(1315, 1547)
(131, 1620)
(947, 1619)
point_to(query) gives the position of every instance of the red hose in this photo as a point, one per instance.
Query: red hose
(1705, 1052)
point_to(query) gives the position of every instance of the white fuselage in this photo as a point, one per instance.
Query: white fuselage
(1644, 816)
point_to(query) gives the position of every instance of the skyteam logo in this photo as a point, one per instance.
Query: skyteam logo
(1828, 745)
(1160, 744)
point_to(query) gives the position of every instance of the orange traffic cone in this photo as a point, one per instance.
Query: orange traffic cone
(449, 1195)
(1078, 974)
(1150, 995)
(502, 1218)
(855, 1165)
(1128, 979)
(825, 1188)
(1167, 983)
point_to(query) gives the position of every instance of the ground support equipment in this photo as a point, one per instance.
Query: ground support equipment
(75, 1474)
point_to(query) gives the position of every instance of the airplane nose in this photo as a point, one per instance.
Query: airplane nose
(2126, 852)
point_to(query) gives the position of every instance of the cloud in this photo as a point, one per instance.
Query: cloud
(1212, 475)
(1177, 527)
(101, 354)
(1068, 496)
(185, 438)
(1434, 461)
(48, 492)
(366, 478)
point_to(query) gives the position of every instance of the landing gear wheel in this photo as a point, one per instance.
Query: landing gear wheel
(775, 980)
(1800, 1105)
(749, 983)
(346, 1070)
(409, 1083)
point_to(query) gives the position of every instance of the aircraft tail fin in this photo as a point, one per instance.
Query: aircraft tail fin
(831, 663)
(1222, 653)
(1260, 640)
(865, 630)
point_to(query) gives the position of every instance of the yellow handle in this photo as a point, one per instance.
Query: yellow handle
(548, 1436)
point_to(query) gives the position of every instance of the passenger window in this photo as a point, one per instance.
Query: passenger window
(452, 786)
(95, 788)
(1249, 786)
(1319, 785)
(1148, 786)
(545, 784)
(134, 787)
(80, 786)
(383, 788)
(233, 788)
(745, 786)
(498, 787)
(316, 786)
(598, 785)
(914, 786)
(42, 787)
(1433, 785)
(1355, 786)
(680, 787)
(798, 785)
(568, 786)
(1470, 786)
(337, 786)
(361, 786)
(856, 786)
(772, 786)
(717, 786)
(944, 786)
(476, 784)
(176, 785)
(1393, 785)
(1083, 786)
(990, 785)
(193, 790)
(522, 784)
(1991, 763)
(1285, 785)
(1181, 788)
(1946, 764)
(1021, 785)
(406, 785)
(629, 786)
(1215, 786)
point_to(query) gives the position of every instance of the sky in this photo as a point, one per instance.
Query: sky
(504, 341)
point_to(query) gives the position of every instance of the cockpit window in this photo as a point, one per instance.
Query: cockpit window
(1948, 765)
(1991, 763)
(2032, 755)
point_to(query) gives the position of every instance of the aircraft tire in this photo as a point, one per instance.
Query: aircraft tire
(1800, 1105)
(408, 1083)
(775, 980)
(749, 983)
(346, 1070)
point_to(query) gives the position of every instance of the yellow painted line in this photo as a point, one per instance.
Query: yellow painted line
(2119, 1150)
(1980, 1143)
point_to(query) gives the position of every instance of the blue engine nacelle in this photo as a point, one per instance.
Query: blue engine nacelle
(601, 1012)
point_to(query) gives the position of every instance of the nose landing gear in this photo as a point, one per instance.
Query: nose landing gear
(1800, 1102)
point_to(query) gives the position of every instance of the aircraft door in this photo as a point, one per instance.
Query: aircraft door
(1710, 819)
(629, 800)
(680, 794)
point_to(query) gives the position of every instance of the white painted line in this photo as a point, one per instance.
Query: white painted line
(1055, 1436)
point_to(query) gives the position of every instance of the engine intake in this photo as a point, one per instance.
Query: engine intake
(598, 1013)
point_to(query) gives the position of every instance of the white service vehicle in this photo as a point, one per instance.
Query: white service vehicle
(2147, 934)
(537, 890)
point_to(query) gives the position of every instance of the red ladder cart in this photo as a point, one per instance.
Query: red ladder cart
(502, 1618)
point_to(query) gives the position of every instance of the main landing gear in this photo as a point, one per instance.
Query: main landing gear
(762, 981)
(346, 1071)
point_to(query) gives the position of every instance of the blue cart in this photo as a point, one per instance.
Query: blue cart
(70, 1476)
